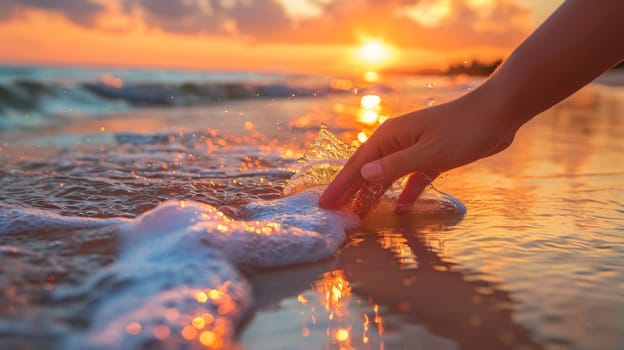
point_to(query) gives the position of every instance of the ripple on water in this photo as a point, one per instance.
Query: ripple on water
(167, 273)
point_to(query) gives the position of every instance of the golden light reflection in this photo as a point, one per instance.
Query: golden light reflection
(214, 220)
(334, 291)
(342, 334)
(397, 244)
(201, 297)
(214, 294)
(374, 52)
(369, 115)
(210, 339)
(362, 137)
(370, 101)
(371, 77)
(332, 305)
(378, 320)
(206, 327)
(198, 322)
(341, 84)
(369, 111)
(302, 299)
(366, 325)
(334, 287)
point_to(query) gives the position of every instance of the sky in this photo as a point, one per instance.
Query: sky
(265, 35)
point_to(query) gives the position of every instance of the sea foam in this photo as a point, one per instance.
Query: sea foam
(177, 266)
(175, 280)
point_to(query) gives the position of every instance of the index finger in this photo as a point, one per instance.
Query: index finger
(348, 181)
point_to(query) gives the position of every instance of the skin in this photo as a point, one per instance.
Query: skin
(578, 42)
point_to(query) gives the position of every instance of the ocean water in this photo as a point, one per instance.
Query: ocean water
(171, 209)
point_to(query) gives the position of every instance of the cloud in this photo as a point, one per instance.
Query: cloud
(427, 24)
(81, 12)
(252, 19)
(6, 9)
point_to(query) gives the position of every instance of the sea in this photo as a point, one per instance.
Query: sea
(177, 209)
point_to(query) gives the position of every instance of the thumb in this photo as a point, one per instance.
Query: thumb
(394, 165)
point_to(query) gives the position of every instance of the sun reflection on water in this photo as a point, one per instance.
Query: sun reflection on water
(207, 325)
(211, 330)
(369, 116)
(334, 291)
(371, 76)
(397, 244)
(328, 313)
(370, 107)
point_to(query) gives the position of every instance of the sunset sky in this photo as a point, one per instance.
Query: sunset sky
(266, 35)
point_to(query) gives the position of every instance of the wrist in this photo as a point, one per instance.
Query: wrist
(497, 106)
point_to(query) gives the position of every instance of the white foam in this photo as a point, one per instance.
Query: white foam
(177, 263)
(173, 258)
(180, 250)
(24, 221)
(286, 231)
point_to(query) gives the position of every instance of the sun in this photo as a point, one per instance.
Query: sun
(374, 52)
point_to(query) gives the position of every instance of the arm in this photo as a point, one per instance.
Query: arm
(577, 43)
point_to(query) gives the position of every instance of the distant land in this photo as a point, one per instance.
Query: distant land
(473, 68)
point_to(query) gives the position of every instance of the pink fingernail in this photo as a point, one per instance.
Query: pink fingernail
(372, 172)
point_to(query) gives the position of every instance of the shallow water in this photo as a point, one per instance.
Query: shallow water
(536, 261)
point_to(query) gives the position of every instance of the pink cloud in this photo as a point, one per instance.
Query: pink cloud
(459, 24)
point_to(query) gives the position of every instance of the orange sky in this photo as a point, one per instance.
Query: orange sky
(286, 35)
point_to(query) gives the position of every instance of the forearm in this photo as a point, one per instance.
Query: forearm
(581, 40)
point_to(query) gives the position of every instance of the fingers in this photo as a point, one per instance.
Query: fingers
(385, 170)
(368, 197)
(394, 165)
(366, 166)
(398, 164)
(341, 189)
(415, 186)
(348, 181)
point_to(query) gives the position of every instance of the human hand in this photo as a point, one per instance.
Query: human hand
(424, 144)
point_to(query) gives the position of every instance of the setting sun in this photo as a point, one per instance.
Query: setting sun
(374, 52)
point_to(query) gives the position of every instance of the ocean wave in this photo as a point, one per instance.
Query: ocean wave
(24, 95)
(30, 102)
(193, 94)
(32, 96)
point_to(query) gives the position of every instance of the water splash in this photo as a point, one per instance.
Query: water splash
(326, 156)
(321, 162)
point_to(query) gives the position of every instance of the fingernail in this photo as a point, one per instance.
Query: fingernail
(372, 172)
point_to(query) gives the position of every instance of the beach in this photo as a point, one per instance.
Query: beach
(535, 262)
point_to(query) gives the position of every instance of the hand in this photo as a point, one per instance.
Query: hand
(424, 144)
